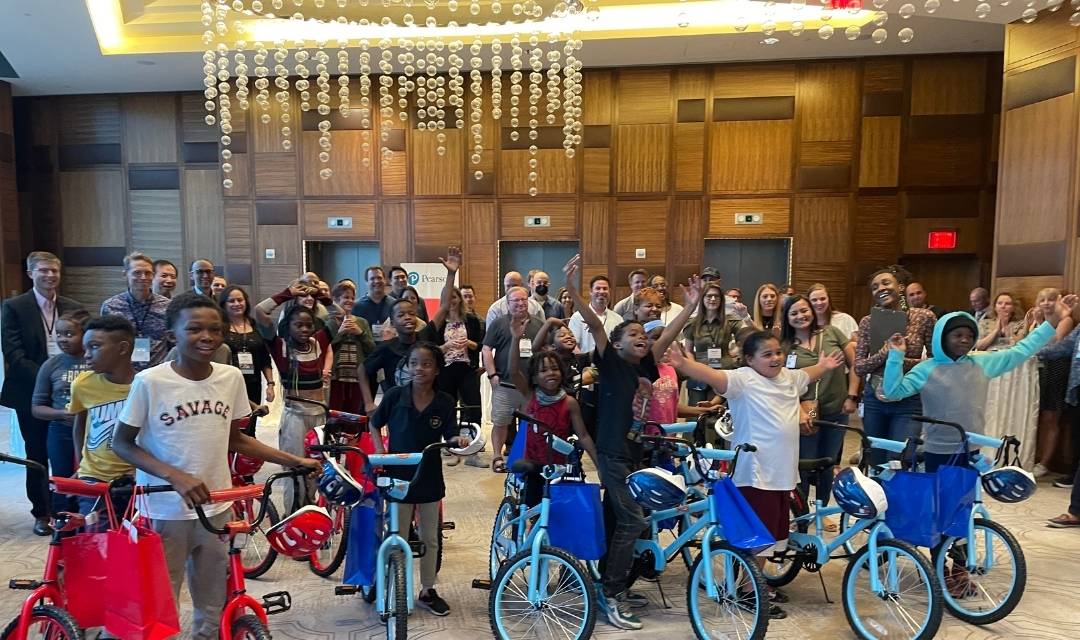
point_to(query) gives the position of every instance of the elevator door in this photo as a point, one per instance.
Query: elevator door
(546, 256)
(748, 264)
(336, 260)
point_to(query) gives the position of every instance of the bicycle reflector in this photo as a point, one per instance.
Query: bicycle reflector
(858, 495)
(302, 533)
(656, 489)
(1009, 484)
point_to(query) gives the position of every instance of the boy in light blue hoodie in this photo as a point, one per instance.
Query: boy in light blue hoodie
(953, 383)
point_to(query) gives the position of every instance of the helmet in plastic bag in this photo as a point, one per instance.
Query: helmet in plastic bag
(316, 436)
(302, 533)
(1009, 484)
(656, 489)
(475, 445)
(242, 465)
(725, 425)
(338, 486)
(858, 495)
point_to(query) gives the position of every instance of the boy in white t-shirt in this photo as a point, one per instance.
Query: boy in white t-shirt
(764, 401)
(177, 428)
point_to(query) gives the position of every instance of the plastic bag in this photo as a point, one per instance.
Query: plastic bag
(576, 520)
(913, 507)
(362, 547)
(741, 526)
(956, 496)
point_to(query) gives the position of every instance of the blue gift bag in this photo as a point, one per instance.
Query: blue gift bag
(956, 496)
(912, 515)
(517, 450)
(576, 520)
(741, 526)
(362, 546)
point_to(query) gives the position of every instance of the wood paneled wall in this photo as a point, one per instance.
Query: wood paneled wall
(855, 160)
(10, 259)
(1036, 229)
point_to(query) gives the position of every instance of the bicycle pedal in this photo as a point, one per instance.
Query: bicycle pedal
(419, 549)
(25, 585)
(277, 602)
(481, 583)
(449, 526)
(346, 590)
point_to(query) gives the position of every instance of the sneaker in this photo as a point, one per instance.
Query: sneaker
(747, 602)
(1039, 470)
(634, 599)
(618, 614)
(1064, 483)
(475, 461)
(433, 603)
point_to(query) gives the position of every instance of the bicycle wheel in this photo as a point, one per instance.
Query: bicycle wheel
(503, 535)
(329, 557)
(910, 604)
(993, 589)
(249, 627)
(257, 556)
(741, 608)
(567, 607)
(47, 623)
(781, 569)
(396, 613)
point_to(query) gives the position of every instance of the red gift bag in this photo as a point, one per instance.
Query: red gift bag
(140, 597)
(85, 571)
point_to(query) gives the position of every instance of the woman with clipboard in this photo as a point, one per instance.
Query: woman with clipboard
(883, 418)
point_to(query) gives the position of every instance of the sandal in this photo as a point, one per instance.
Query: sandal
(498, 465)
(1064, 521)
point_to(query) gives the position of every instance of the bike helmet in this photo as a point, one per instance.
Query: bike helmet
(725, 425)
(656, 489)
(243, 465)
(1009, 484)
(476, 444)
(858, 495)
(302, 533)
(316, 436)
(338, 486)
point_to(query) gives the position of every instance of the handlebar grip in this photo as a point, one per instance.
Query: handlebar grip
(894, 446)
(717, 454)
(679, 427)
(348, 417)
(747, 447)
(981, 440)
(156, 488)
(237, 493)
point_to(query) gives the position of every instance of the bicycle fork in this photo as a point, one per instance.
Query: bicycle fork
(393, 541)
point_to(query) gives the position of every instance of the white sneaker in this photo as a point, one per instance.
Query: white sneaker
(1039, 470)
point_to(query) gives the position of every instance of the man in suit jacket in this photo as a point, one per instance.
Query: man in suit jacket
(27, 333)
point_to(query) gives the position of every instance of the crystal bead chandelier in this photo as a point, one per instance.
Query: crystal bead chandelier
(438, 47)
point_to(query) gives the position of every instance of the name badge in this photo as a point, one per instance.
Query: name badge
(53, 348)
(715, 357)
(790, 361)
(246, 362)
(142, 350)
(525, 348)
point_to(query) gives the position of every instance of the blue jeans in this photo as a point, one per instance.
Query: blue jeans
(92, 505)
(826, 443)
(891, 420)
(629, 519)
(61, 450)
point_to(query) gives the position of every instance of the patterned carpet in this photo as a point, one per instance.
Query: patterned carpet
(1049, 608)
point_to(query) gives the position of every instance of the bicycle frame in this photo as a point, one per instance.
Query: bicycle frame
(237, 599)
(393, 540)
(49, 591)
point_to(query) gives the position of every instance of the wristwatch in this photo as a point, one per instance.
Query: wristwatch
(270, 383)
(853, 398)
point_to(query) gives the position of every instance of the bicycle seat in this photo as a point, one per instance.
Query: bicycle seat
(816, 464)
(526, 466)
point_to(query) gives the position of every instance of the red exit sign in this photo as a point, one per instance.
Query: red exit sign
(941, 240)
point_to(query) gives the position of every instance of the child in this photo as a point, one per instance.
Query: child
(178, 428)
(388, 361)
(52, 392)
(97, 396)
(545, 399)
(764, 401)
(558, 337)
(953, 382)
(664, 407)
(416, 415)
(627, 367)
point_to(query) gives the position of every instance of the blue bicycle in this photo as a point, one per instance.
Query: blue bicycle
(890, 590)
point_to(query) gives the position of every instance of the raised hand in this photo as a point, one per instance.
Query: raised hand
(692, 290)
(675, 355)
(833, 360)
(1063, 308)
(570, 269)
(301, 288)
(452, 261)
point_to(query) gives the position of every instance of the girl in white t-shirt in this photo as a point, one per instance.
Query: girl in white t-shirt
(764, 401)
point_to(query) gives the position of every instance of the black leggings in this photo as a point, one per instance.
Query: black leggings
(462, 382)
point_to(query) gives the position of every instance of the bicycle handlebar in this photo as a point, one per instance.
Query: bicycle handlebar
(554, 442)
(24, 462)
(977, 439)
(324, 407)
(238, 493)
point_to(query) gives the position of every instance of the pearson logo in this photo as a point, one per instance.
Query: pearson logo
(414, 278)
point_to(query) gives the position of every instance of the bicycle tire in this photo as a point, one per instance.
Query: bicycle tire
(58, 620)
(789, 569)
(249, 627)
(694, 593)
(931, 620)
(264, 551)
(570, 567)
(338, 548)
(397, 600)
(501, 529)
(1015, 592)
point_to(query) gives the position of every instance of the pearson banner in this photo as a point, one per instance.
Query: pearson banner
(428, 279)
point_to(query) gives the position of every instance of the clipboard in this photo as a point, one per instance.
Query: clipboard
(883, 324)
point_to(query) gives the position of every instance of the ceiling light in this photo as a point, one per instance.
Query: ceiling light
(108, 23)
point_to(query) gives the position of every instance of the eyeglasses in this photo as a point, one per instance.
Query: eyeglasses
(713, 296)
(203, 272)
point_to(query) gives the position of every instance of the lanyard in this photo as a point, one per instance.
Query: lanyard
(49, 326)
(138, 322)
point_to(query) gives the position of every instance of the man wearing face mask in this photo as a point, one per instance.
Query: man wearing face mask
(539, 284)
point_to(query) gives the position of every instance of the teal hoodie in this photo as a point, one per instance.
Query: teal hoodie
(955, 390)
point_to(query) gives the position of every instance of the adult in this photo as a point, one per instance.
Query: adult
(1065, 349)
(29, 338)
(883, 418)
(646, 305)
(916, 299)
(539, 285)
(144, 309)
(352, 344)
(1053, 376)
(506, 398)
(833, 398)
(399, 281)
(980, 303)
(599, 296)
(637, 279)
(734, 293)
(766, 306)
(202, 277)
(668, 310)
(468, 298)
(1012, 399)
(248, 350)
(709, 336)
(710, 275)
(1003, 325)
(566, 304)
(459, 335)
(218, 285)
(374, 306)
(501, 306)
(826, 316)
(165, 278)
